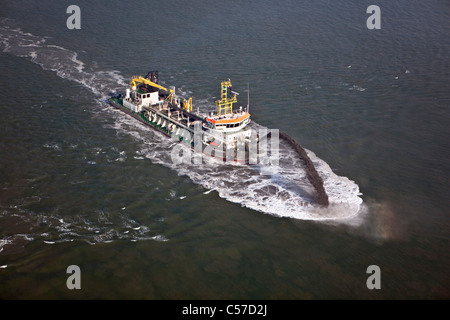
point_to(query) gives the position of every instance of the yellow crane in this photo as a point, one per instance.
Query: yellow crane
(171, 96)
(138, 79)
(187, 104)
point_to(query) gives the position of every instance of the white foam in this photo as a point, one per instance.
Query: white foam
(4, 242)
(64, 62)
(53, 146)
(160, 237)
(277, 190)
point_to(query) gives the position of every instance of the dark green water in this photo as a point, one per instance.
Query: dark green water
(82, 184)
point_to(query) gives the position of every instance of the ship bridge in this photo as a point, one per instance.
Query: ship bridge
(226, 120)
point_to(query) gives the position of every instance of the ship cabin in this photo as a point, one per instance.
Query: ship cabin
(143, 92)
(226, 120)
(229, 122)
(147, 98)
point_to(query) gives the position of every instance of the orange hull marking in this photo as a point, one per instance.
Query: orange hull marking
(225, 121)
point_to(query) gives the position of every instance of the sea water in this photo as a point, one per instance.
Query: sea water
(83, 184)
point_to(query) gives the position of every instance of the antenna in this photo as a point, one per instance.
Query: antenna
(248, 97)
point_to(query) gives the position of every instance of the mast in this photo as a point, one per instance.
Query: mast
(248, 97)
(226, 104)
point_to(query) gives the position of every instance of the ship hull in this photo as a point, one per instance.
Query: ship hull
(161, 122)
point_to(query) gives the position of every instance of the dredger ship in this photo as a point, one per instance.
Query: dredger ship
(224, 135)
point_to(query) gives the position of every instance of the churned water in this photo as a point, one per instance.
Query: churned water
(83, 184)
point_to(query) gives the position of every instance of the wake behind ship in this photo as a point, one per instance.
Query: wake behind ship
(224, 135)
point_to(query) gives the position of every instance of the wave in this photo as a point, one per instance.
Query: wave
(282, 190)
(58, 59)
(96, 227)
